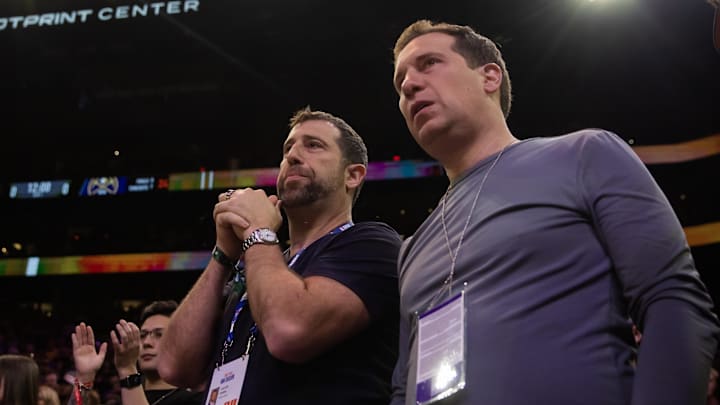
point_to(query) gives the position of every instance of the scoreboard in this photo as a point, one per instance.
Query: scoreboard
(39, 189)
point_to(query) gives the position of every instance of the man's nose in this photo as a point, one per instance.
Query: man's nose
(293, 155)
(411, 83)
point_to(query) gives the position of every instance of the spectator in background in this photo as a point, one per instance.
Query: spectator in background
(131, 344)
(51, 379)
(48, 396)
(93, 398)
(19, 380)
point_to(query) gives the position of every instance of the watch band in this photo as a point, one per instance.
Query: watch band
(266, 236)
(132, 381)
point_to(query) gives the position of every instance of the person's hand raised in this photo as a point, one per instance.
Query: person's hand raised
(87, 359)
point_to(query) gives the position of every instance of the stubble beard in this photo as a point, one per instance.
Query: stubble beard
(301, 196)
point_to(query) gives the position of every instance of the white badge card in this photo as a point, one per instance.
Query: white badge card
(441, 351)
(227, 382)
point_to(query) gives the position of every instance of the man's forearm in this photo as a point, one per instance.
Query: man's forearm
(192, 330)
(675, 355)
(273, 290)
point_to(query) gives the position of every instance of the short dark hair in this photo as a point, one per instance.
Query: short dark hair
(351, 145)
(476, 49)
(166, 308)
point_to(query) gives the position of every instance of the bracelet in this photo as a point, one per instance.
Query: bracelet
(79, 387)
(76, 393)
(87, 386)
(222, 258)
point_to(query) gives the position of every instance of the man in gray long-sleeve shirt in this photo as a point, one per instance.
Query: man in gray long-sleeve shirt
(523, 285)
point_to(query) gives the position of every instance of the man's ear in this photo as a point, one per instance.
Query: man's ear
(354, 175)
(493, 77)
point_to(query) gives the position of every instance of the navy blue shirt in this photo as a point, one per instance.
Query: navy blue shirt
(356, 371)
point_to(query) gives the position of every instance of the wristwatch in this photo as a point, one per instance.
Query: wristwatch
(131, 381)
(265, 236)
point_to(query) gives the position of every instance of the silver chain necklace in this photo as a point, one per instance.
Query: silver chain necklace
(167, 394)
(447, 284)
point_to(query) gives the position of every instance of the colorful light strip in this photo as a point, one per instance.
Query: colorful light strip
(94, 264)
(699, 235)
(408, 169)
(679, 152)
(223, 179)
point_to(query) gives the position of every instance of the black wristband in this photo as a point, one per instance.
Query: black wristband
(222, 258)
(132, 381)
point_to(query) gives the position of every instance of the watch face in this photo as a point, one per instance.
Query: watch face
(263, 235)
(267, 235)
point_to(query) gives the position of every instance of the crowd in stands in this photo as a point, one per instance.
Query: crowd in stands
(37, 333)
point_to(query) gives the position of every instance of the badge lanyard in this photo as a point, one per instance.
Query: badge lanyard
(441, 329)
(239, 285)
(335, 231)
(447, 284)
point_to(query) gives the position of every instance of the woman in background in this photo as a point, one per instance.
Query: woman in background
(47, 395)
(19, 380)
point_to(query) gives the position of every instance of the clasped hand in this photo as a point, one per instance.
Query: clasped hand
(239, 212)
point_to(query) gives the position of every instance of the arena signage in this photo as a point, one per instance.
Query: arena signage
(104, 14)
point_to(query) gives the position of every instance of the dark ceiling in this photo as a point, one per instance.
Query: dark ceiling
(181, 91)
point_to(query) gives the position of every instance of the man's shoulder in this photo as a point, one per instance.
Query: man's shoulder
(582, 135)
(360, 238)
(371, 235)
(583, 140)
(376, 227)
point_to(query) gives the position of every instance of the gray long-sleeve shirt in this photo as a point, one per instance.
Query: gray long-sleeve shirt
(570, 240)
